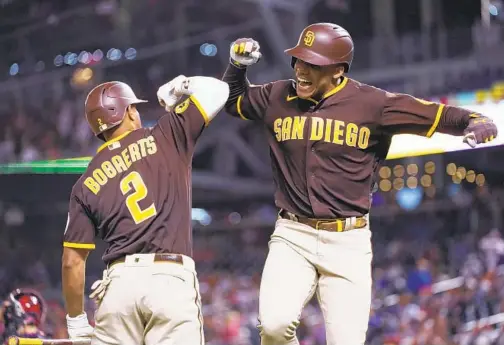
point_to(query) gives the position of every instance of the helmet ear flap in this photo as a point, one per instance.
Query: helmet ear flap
(293, 61)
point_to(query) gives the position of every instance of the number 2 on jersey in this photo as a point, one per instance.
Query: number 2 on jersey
(134, 181)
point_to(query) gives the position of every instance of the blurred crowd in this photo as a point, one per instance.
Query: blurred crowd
(418, 302)
(52, 125)
(449, 292)
(410, 304)
(30, 136)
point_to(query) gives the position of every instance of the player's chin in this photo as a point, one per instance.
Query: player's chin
(305, 92)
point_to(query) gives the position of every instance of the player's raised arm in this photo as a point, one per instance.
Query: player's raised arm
(207, 93)
(403, 113)
(246, 101)
(186, 121)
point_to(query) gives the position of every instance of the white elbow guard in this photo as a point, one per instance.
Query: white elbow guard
(210, 93)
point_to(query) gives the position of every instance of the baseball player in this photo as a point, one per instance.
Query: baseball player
(327, 135)
(136, 196)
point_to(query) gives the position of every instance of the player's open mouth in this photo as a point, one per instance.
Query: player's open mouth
(304, 82)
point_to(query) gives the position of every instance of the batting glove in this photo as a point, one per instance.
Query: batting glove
(99, 287)
(170, 93)
(245, 52)
(480, 130)
(79, 327)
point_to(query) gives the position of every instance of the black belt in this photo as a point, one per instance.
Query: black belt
(176, 258)
(335, 225)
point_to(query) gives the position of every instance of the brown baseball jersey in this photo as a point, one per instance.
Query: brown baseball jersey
(324, 154)
(136, 191)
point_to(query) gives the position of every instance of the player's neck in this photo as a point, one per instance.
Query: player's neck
(336, 82)
(117, 132)
(331, 87)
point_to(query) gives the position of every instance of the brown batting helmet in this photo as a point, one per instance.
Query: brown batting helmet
(324, 44)
(106, 105)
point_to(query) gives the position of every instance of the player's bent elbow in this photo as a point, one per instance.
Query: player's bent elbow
(221, 93)
(222, 90)
(210, 93)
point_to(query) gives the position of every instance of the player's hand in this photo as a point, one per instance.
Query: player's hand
(170, 93)
(245, 52)
(480, 130)
(79, 327)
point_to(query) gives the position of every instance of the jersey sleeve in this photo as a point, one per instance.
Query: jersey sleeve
(80, 230)
(252, 104)
(185, 124)
(246, 101)
(405, 114)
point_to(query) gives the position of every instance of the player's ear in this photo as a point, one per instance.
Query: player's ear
(338, 72)
(130, 110)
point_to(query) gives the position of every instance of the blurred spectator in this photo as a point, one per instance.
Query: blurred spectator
(492, 246)
(419, 314)
(420, 277)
